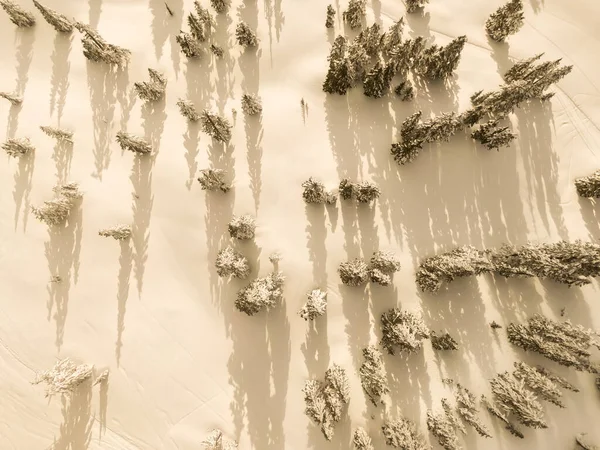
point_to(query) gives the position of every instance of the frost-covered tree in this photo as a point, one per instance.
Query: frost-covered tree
(403, 434)
(541, 385)
(242, 227)
(358, 62)
(443, 342)
(557, 379)
(56, 211)
(562, 342)
(134, 144)
(220, 6)
(214, 180)
(378, 80)
(314, 192)
(460, 262)
(245, 36)
(315, 306)
(371, 40)
(382, 266)
(17, 147)
(96, 49)
(406, 55)
(217, 50)
(468, 411)
(216, 126)
(355, 13)
(340, 75)
(14, 98)
(152, 90)
(372, 375)
(118, 232)
(499, 412)
(392, 38)
(493, 136)
(217, 441)
(538, 76)
(232, 263)
(511, 394)
(413, 5)
(189, 45)
(439, 62)
(58, 134)
(17, 15)
(507, 20)
(405, 91)
(188, 110)
(361, 440)
(330, 17)
(496, 104)
(402, 330)
(64, 377)
(57, 20)
(354, 273)
(589, 187)
(251, 104)
(326, 400)
(364, 192)
(443, 430)
(262, 293)
(200, 23)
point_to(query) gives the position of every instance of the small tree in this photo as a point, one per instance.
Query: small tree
(372, 375)
(243, 227)
(405, 91)
(511, 394)
(361, 440)
(17, 147)
(403, 434)
(582, 442)
(403, 330)
(154, 89)
(245, 36)
(326, 400)
(220, 6)
(15, 99)
(330, 17)
(355, 13)
(262, 293)
(443, 430)
(392, 38)
(58, 21)
(364, 192)
(382, 267)
(315, 306)
(438, 62)
(507, 20)
(468, 412)
(251, 104)
(118, 232)
(214, 180)
(314, 192)
(216, 126)
(188, 110)
(443, 342)
(17, 15)
(189, 45)
(217, 50)
(589, 187)
(55, 212)
(493, 136)
(543, 386)
(232, 263)
(354, 273)
(64, 377)
(96, 49)
(134, 144)
(414, 5)
(58, 134)
(217, 441)
(200, 23)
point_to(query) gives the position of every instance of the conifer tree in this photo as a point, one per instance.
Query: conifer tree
(17, 15)
(56, 211)
(589, 187)
(242, 227)
(189, 45)
(361, 440)
(537, 76)
(17, 147)
(364, 192)
(507, 20)
(58, 134)
(216, 126)
(358, 62)
(403, 434)
(541, 385)
(493, 136)
(406, 55)
(413, 5)
(438, 62)
(405, 91)
(96, 49)
(372, 375)
(315, 306)
(330, 17)
(340, 74)
(118, 232)
(377, 82)
(245, 36)
(232, 263)
(371, 39)
(354, 273)
(188, 110)
(468, 412)
(314, 192)
(382, 266)
(64, 377)
(154, 89)
(14, 99)
(443, 342)
(326, 400)
(392, 38)
(561, 342)
(217, 50)
(57, 20)
(355, 13)
(214, 180)
(251, 104)
(560, 381)
(497, 412)
(200, 23)
(403, 330)
(134, 144)
(217, 441)
(220, 6)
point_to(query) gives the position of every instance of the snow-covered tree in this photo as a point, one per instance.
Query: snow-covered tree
(251, 104)
(216, 126)
(13, 98)
(17, 15)
(214, 180)
(493, 136)
(468, 411)
(262, 293)
(443, 342)
(403, 434)
(402, 330)
(232, 263)
(372, 375)
(17, 147)
(314, 192)
(64, 377)
(96, 49)
(134, 144)
(439, 62)
(57, 20)
(315, 306)
(118, 232)
(330, 17)
(589, 187)
(354, 273)
(152, 90)
(58, 134)
(56, 211)
(443, 430)
(242, 227)
(189, 45)
(355, 13)
(245, 36)
(382, 266)
(361, 440)
(507, 20)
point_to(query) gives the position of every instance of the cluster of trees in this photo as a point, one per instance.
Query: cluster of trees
(66, 376)
(56, 211)
(571, 263)
(214, 180)
(17, 147)
(152, 90)
(381, 268)
(137, 145)
(507, 20)
(363, 192)
(118, 232)
(216, 440)
(95, 47)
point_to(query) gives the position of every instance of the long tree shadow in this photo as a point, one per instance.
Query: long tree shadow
(23, 182)
(316, 233)
(225, 65)
(316, 347)
(103, 405)
(60, 73)
(176, 24)
(62, 253)
(76, 427)
(125, 266)
(143, 199)
(62, 156)
(254, 133)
